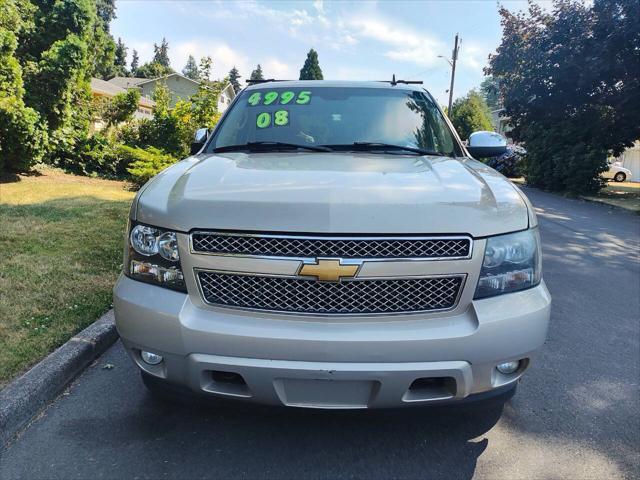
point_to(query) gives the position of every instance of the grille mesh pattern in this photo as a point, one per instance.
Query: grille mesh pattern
(348, 297)
(343, 248)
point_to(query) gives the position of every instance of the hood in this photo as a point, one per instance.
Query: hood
(309, 192)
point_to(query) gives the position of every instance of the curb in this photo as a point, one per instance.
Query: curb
(27, 395)
(611, 205)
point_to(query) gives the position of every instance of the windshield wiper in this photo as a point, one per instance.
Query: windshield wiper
(370, 146)
(266, 146)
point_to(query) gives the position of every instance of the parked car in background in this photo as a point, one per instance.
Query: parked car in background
(334, 245)
(617, 172)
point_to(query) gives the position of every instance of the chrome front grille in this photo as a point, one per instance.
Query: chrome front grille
(296, 295)
(449, 248)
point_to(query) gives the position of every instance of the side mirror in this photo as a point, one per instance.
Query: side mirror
(199, 139)
(486, 144)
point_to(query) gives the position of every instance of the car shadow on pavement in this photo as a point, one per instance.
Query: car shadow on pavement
(249, 441)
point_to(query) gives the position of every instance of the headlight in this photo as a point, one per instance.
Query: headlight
(144, 240)
(152, 256)
(511, 263)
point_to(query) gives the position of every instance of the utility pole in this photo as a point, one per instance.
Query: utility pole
(454, 58)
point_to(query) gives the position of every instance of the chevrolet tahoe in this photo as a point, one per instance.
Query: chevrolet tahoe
(333, 245)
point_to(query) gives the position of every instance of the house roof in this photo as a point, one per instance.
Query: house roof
(109, 89)
(229, 88)
(147, 80)
(105, 88)
(127, 82)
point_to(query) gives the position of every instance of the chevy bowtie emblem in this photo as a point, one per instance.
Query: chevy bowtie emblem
(328, 270)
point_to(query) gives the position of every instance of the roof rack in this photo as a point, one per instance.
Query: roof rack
(406, 82)
(265, 80)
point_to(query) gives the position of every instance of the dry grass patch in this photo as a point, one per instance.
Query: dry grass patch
(624, 194)
(61, 239)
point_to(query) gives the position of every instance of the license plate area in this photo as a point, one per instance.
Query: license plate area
(324, 393)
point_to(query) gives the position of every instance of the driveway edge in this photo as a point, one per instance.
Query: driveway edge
(27, 395)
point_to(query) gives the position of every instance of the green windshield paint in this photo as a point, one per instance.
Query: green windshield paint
(281, 118)
(286, 97)
(304, 97)
(263, 120)
(270, 97)
(254, 99)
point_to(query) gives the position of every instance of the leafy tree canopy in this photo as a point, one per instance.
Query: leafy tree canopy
(160, 65)
(311, 69)
(59, 45)
(470, 114)
(234, 79)
(570, 82)
(120, 61)
(490, 91)
(135, 63)
(257, 73)
(152, 70)
(161, 53)
(191, 70)
(22, 138)
(206, 64)
(122, 107)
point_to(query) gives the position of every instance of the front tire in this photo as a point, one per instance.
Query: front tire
(620, 177)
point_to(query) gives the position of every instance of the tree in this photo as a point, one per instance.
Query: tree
(160, 65)
(22, 137)
(57, 54)
(106, 10)
(206, 64)
(311, 69)
(161, 53)
(190, 70)
(490, 91)
(470, 114)
(234, 79)
(122, 107)
(103, 50)
(135, 61)
(257, 73)
(570, 83)
(120, 60)
(152, 70)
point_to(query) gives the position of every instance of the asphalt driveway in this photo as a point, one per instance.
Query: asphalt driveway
(576, 414)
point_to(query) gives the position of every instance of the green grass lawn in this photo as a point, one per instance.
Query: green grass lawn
(623, 194)
(61, 242)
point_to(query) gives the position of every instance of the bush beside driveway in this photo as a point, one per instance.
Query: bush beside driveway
(61, 240)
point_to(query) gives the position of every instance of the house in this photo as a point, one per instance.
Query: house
(102, 89)
(180, 88)
(500, 122)
(226, 97)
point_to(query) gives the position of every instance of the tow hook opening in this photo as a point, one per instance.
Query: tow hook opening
(225, 383)
(431, 388)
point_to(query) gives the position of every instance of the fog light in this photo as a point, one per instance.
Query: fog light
(151, 358)
(508, 367)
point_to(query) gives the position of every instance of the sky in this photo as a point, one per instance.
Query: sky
(355, 40)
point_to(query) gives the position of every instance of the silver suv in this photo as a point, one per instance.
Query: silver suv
(333, 245)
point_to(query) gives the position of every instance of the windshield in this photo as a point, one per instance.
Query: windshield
(336, 117)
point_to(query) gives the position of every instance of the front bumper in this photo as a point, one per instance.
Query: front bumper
(328, 362)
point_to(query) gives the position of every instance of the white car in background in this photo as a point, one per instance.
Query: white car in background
(617, 172)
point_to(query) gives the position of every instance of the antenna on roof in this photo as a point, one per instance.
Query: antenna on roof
(394, 82)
